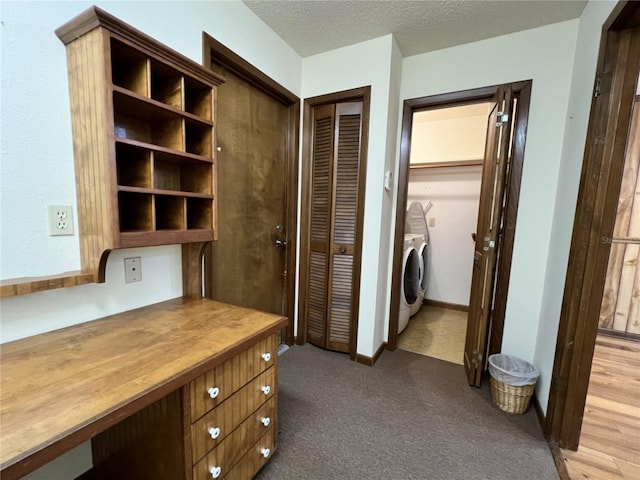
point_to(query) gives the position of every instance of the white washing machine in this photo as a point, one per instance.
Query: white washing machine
(416, 225)
(423, 260)
(410, 283)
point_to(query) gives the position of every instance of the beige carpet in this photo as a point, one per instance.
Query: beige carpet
(436, 332)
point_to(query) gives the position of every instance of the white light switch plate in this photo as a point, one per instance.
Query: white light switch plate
(132, 269)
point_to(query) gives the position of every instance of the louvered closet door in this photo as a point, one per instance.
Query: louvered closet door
(344, 215)
(321, 193)
(334, 217)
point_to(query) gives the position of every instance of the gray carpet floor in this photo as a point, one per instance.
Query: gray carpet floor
(408, 417)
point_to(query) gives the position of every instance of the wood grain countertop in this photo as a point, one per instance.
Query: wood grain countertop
(61, 388)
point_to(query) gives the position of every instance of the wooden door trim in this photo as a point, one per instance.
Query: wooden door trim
(523, 90)
(362, 94)
(598, 194)
(245, 70)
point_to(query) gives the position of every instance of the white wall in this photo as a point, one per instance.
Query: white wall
(545, 55)
(387, 227)
(455, 195)
(36, 164)
(363, 64)
(444, 135)
(591, 21)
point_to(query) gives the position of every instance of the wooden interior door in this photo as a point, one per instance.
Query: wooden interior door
(248, 260)
(332, 274)
(488, 233)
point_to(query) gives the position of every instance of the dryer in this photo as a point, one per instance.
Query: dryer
(410, 283)
(416, 223)
(422, 249)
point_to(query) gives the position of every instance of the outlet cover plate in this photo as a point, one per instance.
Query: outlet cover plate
(60, 219)
(132, 269)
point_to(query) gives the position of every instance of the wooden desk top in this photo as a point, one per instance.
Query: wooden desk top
(61, 388)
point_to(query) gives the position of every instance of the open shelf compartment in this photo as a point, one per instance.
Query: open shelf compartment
(136, 212)
(129, 68)
(182, 175)
(170, 212)
(199, 214)
(166, 85)
(133, 166)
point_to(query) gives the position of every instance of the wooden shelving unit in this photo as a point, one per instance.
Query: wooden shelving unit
(143, 119)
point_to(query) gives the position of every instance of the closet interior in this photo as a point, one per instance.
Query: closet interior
(445, 174)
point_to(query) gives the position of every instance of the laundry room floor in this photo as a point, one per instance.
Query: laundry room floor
(436, 332)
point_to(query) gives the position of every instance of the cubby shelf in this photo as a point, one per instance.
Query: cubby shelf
(143, 119)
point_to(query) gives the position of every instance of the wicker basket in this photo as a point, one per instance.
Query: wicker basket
(509, 398)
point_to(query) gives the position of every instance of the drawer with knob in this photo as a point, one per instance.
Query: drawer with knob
(222, 459)
(254, 459)
(212, 388)
(213, 427)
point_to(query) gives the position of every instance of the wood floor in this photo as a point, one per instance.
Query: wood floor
(610, 439)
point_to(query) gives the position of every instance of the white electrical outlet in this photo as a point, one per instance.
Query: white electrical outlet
(132, 269)
(60, 220)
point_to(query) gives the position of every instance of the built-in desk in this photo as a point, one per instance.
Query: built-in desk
(194, 363)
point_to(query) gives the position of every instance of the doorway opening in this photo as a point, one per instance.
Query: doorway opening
(509, 141)
(443, 195)
(594, 224)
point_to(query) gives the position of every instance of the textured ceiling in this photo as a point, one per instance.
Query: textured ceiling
(315, 26)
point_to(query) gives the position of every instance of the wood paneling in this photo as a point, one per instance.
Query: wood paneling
(156, 432)
(620, 309)
(610, 441)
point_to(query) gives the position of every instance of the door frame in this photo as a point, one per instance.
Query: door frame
(211, 48)
(520, 89)
(362, 94)
(600, 180)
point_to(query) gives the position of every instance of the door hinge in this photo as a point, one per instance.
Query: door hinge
(502, 118)
(476, 357)
(603, 85)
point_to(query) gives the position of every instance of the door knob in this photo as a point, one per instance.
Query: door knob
(280, 228)
(281, 243)
(343, 249)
